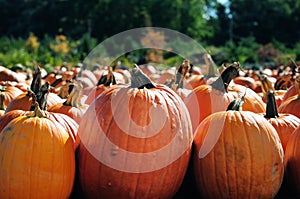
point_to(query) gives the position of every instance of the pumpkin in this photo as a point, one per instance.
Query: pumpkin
(292, 163)
(135, 142)
(8, 75)
(210, 98)
(105, 82)
(25, 100)
(237, 154)
(69, 124)
(37, 159)
(267, 86)
(10, 93)
(291, 91)
(292, 104)
(72, 106)
(284, 123)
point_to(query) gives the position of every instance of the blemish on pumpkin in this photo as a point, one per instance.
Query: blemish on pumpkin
(3, 139)
(7, 129)
(114, 151)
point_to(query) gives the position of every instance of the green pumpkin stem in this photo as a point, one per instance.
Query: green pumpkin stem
(140, 80)
(222, 82)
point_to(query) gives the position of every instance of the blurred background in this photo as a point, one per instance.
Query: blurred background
(253, 32)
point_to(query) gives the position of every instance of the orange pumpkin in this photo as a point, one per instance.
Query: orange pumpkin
(8, 75)
(37, 159)
(26, 99)
(237, 155)
(207, 99)
(105, 82)
(284, 123)
(292, 104)
(72, 106)
(10, 93)
(133, 140)
(292, 163)
(291, 91)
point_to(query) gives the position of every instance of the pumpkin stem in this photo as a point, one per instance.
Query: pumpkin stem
(181, 73)
(108, 79)
(271, 109)
(140, 80)
(74, 97)
(37, 112)
(237, 104)
(36, 81)
(266, 85)
(41, 96)
(2, 102)
(222, 82)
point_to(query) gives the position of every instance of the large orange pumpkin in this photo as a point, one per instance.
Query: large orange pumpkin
(135, 142)
(37, 159)
(237, 155)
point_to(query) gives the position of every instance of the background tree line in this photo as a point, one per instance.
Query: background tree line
(207, 21)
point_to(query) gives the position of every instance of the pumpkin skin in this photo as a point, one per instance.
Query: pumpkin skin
(292, 162)
(291, 91)
(70, 125)
(135, 174)
(24, 101)
(292, 104)
(10, 93)
(37, 159)
(238, 154)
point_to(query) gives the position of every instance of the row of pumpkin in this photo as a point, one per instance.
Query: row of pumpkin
(132, 133)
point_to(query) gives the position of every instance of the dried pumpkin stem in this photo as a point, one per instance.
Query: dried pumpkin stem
(225, 78)
(75, 95)
(36, 81)
(140, 80)
(271, 109)
(2, 102)
(37, 112)
(108, 79)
